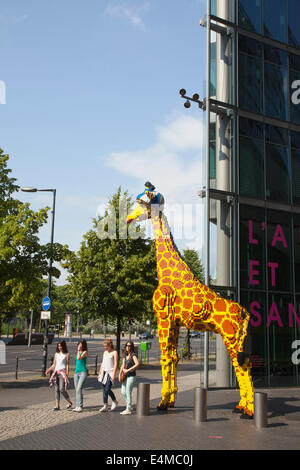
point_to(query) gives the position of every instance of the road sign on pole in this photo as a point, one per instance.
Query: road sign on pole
(46, 303)
(46, 315)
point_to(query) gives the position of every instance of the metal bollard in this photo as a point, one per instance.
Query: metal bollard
(200, 405)
(17, 367)
(260, 410)
(143, 399)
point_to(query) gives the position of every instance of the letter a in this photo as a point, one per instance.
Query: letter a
(279, 236)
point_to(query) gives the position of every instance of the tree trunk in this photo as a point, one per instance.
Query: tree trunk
(118, 334)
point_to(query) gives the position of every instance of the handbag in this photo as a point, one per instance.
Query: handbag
(122, 376)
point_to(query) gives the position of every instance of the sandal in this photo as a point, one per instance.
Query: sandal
(56, 408)
(69, 406)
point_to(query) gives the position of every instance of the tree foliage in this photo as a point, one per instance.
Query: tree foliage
(23, 260)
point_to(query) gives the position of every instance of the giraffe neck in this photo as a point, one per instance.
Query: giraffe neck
(168, 257)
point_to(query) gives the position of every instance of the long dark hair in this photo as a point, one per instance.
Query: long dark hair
(84, 344)
(132, 350)
(63, 346)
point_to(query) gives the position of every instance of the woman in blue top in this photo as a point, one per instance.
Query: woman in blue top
(80, 373)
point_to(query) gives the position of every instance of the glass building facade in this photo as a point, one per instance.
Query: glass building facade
(255, 53)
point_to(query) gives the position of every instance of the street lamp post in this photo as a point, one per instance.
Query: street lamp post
(45, 343)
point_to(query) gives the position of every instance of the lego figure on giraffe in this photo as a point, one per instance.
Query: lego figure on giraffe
(180, 299)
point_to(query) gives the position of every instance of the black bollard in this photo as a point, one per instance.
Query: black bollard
(143, 399)
(17, 367)
(200, 405)
(260, 410)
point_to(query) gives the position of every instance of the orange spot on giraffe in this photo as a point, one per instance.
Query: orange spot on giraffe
(228, 327)
(220, 305)
(189, 293)
(187, 303)
(163, 264)
(178, 284)
(167, 272)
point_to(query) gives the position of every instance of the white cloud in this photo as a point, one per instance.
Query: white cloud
(131, 13)
(173, 163)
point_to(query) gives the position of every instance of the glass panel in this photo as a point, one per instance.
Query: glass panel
(276, 103)
(250, 15)
(255, 303)
(295, 96)
(250, 46)
(251, 128)
(295, 139)
(277, 135)
(275, 19)
(281, 337)
(275, 55)
(296, 176)
(278, 173)
(297, 251)
(252, 175)
(252, 248)
(293, 28)
(280, 261)
(250, 83)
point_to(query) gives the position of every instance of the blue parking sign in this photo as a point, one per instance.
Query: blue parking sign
(46, 303)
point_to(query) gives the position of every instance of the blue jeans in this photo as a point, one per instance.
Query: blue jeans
(126, 390)
(107, 390)
(79, 379)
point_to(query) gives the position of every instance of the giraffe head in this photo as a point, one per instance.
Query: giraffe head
(148, 202)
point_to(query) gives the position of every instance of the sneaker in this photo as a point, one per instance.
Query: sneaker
(78, 409)
(104, 408)
(125, 412)
(69, 405)
(114, 405)
(56, 408)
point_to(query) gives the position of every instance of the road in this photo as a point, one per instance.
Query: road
(30, 359)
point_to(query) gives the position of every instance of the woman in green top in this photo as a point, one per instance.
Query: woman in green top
(80, 373)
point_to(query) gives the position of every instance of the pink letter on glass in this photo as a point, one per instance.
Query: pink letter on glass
(273, 266)
(252, 240)
(274, 315)
(291, 313)
(255, 313)
(253, 272)
(279, 236)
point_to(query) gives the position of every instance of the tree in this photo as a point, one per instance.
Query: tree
(114, 276)
(23, 260)
(194, 262)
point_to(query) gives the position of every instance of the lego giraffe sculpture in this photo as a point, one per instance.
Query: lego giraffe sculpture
(181, 300)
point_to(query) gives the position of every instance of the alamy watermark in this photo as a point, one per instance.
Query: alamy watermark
(184, 221)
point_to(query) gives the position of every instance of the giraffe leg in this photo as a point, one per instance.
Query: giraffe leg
(243, 374)
(173, 373)
(163, 307)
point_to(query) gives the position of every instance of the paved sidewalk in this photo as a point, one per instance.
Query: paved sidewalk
(28, 422)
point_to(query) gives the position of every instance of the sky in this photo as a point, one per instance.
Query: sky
(92, 103)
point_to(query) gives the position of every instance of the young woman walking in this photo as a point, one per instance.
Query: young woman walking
(80, 374)
(107, 374)
(59, 378)
(129, 366)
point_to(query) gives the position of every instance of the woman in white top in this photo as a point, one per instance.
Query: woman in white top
(107, 374)
(59, 378)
